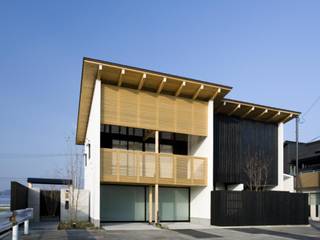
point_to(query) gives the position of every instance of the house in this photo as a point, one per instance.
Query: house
(309, 171)
(157, 145)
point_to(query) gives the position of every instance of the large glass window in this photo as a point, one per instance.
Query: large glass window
(122, 203)
(120, 137)
(173, 204)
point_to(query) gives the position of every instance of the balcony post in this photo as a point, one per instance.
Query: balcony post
(150, 204)
(156, 189)
(156, 203)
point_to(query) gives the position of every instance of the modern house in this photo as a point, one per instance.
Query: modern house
(308, 180)
(156, 145)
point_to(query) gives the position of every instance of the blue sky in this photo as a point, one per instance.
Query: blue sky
(267, 50)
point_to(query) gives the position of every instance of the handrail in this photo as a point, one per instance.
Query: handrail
(5, 223)
(12, 219)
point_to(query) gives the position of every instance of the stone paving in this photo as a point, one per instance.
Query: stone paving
(281, 232)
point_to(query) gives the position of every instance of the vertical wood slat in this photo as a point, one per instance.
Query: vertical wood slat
(140, 109)
(130, 168)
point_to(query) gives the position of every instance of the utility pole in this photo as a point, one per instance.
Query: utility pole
(297, 151)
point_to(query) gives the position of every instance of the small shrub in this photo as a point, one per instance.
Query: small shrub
(75, 225)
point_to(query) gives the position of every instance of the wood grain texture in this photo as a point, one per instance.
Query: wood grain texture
(140, 109)
(135, 167)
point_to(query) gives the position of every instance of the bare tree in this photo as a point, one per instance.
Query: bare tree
(75, 173)
(256, 171)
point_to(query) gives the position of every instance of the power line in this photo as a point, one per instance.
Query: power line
(309, 109)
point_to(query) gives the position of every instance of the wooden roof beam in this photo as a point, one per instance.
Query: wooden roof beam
(261, 114)
(196, 94)
(248, 112)
(287, 118)
(161, 85)
(121, 76)
(234, 110)
(143, 78)
(99, 72)
(221, 107)
(216, 94)
(274, 116)
(180, 88)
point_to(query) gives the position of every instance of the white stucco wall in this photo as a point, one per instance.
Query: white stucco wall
(82, 208)
(236, 187)
(92, 170)
(288, 183)
(200, 197)
(34, 202)
(280, 186)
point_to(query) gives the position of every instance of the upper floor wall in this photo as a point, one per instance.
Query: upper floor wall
(147, 110)
(238, 141)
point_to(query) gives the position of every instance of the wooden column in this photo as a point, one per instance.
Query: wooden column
(150, 204)
(156, 203)
(156, 189)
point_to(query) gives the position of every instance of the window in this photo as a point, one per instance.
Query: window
(85, 159)
(123, 130)
(150, 147)
(181, 137)
(166, 135)
(89, 150)
(114, 129)
(138, 132)
(166, 148)
(135, 146)
(119, 144)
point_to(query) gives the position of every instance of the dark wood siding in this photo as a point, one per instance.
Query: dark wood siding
(238, 140)
(239, 208)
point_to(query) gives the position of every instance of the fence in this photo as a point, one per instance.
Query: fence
(239, 208)
(19, 196)
(13, 219)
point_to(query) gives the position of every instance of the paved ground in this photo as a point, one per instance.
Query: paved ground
(281, 232)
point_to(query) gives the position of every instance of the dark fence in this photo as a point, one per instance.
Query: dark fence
(239, 208)
(19, 196)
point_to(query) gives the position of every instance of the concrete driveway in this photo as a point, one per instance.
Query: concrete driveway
(184, 233)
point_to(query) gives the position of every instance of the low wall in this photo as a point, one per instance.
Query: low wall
(19, 196)
(66, 204)
(240, 208)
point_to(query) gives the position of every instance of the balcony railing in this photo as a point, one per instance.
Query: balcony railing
(307, 180)
(122, 166)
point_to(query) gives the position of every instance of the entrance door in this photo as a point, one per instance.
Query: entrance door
(49, 205)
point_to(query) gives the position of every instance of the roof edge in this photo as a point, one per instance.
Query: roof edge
(154, 72)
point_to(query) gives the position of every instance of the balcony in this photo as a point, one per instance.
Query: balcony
(308, 180)
(125, 166)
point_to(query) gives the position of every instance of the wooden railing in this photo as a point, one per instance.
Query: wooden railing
(307, 180)
(122, 166)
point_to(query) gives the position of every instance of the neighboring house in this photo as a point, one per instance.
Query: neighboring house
(309, 171)
(157, 145)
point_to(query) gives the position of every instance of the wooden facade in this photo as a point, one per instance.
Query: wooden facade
(136, 167)
(308, 180)
(146, 110)
(239, 140)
